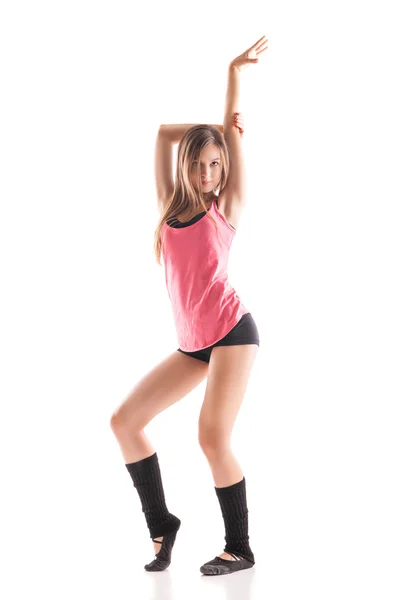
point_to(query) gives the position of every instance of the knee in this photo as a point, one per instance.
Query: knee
(117, 421)
(123, 422)
(213, 440)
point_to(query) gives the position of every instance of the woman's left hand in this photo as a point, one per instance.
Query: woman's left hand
(250, 56)
(238, 122)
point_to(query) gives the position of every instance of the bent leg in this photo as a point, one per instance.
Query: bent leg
(168, 382)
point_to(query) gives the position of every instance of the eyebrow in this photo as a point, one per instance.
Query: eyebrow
(211, 159)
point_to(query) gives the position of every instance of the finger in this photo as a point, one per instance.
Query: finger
(258, 42)
(262, 50)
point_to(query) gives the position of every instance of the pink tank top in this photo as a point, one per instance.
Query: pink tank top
(204, 304)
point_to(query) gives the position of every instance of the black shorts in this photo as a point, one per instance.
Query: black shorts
(244, 332)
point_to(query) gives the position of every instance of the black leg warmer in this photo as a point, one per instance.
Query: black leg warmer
(233, 504)
(147, 480)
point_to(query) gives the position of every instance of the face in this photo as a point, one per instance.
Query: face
(210, 170)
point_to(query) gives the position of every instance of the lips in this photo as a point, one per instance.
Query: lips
(205, 182)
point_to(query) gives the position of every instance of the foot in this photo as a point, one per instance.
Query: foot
(157, 547)
(226, 556)
(163, 549)
(225, 564)
(163, 546)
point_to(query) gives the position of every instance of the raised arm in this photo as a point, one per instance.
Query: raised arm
(167, 136)
(235, 190)
(163, 156)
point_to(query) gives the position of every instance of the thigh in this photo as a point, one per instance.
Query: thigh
(169, 381)
(228, 376)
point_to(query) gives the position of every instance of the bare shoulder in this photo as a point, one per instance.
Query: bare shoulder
(231, 209)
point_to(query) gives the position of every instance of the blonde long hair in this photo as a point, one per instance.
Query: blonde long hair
(185, 198)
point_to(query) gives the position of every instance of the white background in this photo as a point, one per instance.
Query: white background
(85, 311)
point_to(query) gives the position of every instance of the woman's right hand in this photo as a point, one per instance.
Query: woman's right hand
(250, 56)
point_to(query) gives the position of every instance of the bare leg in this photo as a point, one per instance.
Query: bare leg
(135, 445)
(224, 467)
(229, 372)
(168, 382)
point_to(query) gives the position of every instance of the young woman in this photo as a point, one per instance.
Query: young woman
(217, 335)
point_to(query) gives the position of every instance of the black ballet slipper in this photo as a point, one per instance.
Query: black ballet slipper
(162, 559)
(221, 566)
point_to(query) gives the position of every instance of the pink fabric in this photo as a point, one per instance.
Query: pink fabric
(204, 304)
